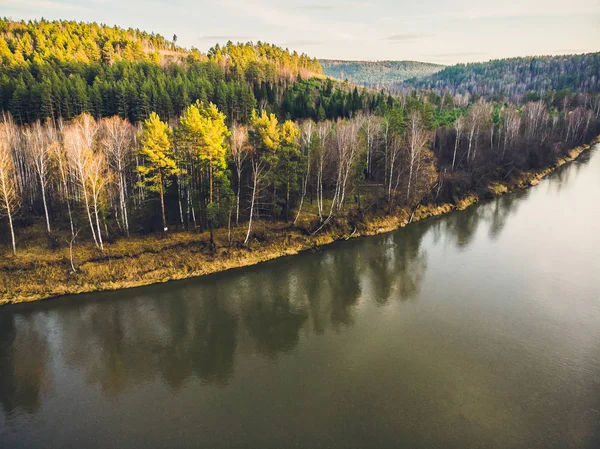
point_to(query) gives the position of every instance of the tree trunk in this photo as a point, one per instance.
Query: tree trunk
(251, 207)
(87, 209)
(179, 195)
(124, 204)
(304, 189)
(210, 184)
(12, 231)
(98, 224)
(239, 188)
(71, 253)
(12, 235)
(320, 193)
(162, 203)
(45, 205)
(287, 200)
(455, 150)
(410, 175)
(299, 209)
(392, 164)
(470, 144)
(70, 218)
(229, 228)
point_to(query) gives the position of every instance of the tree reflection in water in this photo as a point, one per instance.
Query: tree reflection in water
(196, 328)
(24, 372)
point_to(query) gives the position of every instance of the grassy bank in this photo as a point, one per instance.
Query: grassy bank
(38, 273)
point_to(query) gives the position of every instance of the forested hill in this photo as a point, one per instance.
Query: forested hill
(75, 42)
(39, 42)
(516, 77)
(64, 68)
(227, 138)
(377, 73)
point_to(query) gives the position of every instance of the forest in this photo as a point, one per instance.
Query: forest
(109, 176)
(377, 74)
(512, 78)
(507, 79)
(62, 69)
(96, 150)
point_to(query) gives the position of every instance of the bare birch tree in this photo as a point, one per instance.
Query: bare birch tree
(39, 140)
(79, 139)
(117, 145)
(395, 149)
(371, 127)
(307, 133)
(386, 138)
(323, 134)
(512, 123)
(238, 147)
(535, 114)
(8, 187)
(265, 140)
(459, 125)
(416, 139)
(61, 162)
(97, 177)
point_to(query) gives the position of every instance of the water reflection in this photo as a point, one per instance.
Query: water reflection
(192, 329)
(24, 371)
(398, 264)
(274, 325)
(205, 330)
(461, 226)
(204, 346)
(502, 207)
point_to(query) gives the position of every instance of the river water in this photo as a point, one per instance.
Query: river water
(480, 329)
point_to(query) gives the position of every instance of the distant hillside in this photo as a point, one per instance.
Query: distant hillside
(377, 73)
(61, 41)
(68, 41)
(516, 76)
(63, 68)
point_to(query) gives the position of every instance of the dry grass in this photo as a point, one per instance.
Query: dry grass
(497, 188)
(38, 272)
(466, 201)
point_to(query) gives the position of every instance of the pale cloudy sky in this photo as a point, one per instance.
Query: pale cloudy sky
(443, 31)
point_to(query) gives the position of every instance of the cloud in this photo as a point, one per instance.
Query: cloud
(528, 16)
(225, 38)
(285, 19)
(406, 37)
(301, 43)
(572, 51)
(464, 53)
(455, 57)
(333, 6)
(493, 14)
(42, 5)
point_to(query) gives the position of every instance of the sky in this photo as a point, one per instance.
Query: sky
(440, 31)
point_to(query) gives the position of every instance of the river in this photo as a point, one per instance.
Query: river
(479, 329)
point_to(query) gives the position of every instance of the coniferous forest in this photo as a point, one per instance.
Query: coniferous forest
(108, 133)
(515, 78)
(377, 73)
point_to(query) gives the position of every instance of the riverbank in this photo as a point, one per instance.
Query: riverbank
(39, 273)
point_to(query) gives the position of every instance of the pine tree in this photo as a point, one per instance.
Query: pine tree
(159, 158)
(289, 157)
(203, 130)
